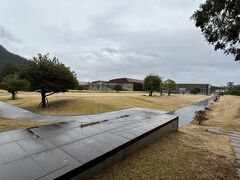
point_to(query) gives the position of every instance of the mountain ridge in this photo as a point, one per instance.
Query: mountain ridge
(7, 57)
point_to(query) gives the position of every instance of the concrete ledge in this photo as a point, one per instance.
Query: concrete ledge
(123, 151)
(67, 150)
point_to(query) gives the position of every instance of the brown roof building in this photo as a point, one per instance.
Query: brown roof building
(132, 84)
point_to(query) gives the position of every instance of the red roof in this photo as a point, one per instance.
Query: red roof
(125, 80)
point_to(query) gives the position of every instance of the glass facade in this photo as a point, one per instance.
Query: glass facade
(187, 88)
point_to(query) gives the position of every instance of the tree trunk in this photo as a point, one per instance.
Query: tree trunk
(13, 96)
(43, 93)
(161, 92)
(169, 92)
(150, 93)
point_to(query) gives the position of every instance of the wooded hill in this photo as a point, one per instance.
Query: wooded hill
(7, 57)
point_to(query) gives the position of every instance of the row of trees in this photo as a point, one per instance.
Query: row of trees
(233, 89)
(154, 83)
(195, 91)
(42, 74)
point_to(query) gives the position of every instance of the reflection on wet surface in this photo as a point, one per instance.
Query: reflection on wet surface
(187, 113)
(50, 151)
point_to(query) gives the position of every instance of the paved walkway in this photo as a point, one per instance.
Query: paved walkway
(185, 114)
(8, 111)
(51, 151)
(235, 142)
(64, 149)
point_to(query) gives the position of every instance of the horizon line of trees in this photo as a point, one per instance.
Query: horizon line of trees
(229, 89)
(49, 76)
(233, 89)
(155, 83)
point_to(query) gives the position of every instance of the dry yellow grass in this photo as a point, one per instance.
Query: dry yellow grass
(79, 103)
(191, 153)
(225, 114)
(8, 125)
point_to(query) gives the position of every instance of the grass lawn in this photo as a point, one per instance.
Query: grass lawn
(82, 103)
(191, 153)
(8, 125)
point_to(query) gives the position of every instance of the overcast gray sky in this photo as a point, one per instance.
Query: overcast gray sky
(116, 38)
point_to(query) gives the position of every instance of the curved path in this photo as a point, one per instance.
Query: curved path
(66, 149)
(186, 114)
(12, 112)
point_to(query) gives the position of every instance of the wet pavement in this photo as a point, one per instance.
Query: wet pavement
(215, 131)
(9, 111)
(186, 114)
(235, 143)
(48, 152)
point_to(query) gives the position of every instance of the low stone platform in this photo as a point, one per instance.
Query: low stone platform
(235, 142)
(81, 147)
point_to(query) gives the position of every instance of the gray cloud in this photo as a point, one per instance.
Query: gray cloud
(110, 39)
(8, 36)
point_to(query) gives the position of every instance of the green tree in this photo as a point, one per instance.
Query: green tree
(152, 83)
(195, 91)
(118, 88)
(169, 85)
(235, 90)
(219, 21)
(48, 76)
(7, 70)
(230, 86)
(162, 87)
(12, 83)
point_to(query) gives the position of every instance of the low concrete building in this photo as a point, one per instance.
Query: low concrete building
(84, 85)
(128, 84)
(102, 86)
(182, 88)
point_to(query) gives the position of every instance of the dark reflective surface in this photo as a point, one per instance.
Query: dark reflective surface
(186, 114)
(48, 152)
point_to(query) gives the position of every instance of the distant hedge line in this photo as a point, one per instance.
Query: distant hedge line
(235, 90)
